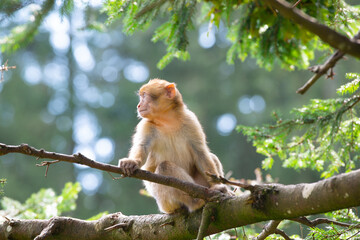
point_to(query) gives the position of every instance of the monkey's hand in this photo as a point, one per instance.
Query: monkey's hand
(222, 188)
(128, 166)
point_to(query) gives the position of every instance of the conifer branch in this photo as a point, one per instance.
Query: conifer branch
(328, 35)
(149, 7)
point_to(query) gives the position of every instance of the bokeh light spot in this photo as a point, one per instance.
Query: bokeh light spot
(136, 72)
(90, 181)
(225, 124)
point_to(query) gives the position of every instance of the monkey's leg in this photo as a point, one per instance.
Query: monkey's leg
(168, 198)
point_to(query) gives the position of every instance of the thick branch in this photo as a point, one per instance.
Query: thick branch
(194, 190)
(328, 35)
(287, 202)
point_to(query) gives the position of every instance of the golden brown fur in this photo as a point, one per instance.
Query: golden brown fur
(169, 140)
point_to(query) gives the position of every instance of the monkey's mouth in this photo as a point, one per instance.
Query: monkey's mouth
(142, 112)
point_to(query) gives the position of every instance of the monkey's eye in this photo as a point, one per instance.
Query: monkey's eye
(153, 96)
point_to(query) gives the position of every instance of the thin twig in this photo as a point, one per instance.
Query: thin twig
(116, 226)
(194, 190)
(244, 233)
(47, 164)
(317, 221)
(282, 233)
(4, 68)
(219, 179)
(170, 223)
(236, 233)
(149, 7)
(208, 213)
(116, 178)
(269, 229)
(322, 69)
(351, 237)
(294, 6)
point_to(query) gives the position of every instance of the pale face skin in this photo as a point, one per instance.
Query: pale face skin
(144, 106)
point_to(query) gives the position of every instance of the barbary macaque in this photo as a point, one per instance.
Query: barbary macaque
(170, 141)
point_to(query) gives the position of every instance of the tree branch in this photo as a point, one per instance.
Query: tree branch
(149, 7)
(4, 68)
(323, 69)
(328, 35)
(194, 190)
(281, 202)
(208, 213)
(317, 221)
(282, 233)
(287, 202)
(269, 229)
(223, 180)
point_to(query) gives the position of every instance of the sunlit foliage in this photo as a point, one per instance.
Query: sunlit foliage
(2, 184)
(323, 135)
(43, 204)
(21, 35)
(254, 29)
(336, 232)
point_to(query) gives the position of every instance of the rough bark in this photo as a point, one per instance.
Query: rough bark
(280, 202)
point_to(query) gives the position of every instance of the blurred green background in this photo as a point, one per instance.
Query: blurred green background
(73, 90)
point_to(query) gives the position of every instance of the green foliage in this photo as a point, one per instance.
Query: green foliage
(8, 7)
(236, 233)
(138, 15)
(244, 233)
(23, 34)
(336, 232)
(43, 204)
(270, 38)
(67, 7)
(351, 86)
(322, 136)
(254, 29)
(345, 216)
(2, 184)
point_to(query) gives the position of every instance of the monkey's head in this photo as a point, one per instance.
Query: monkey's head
(158, 98)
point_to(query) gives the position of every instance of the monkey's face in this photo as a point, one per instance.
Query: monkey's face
(157, 99)
(152, 106)
(145, 105)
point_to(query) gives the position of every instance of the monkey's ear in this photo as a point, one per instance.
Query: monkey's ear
(170, 90)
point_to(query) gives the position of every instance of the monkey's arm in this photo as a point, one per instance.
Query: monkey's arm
(131, 163)
(205, 161)
(212, 165)
(138, 152)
